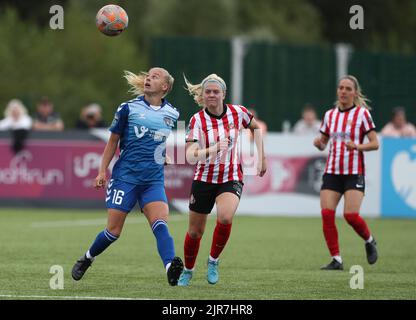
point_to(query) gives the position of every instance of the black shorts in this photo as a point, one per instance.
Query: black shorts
(203, 194)
(341, 183)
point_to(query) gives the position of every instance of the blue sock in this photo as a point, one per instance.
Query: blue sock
(164, 241)
(103, 240)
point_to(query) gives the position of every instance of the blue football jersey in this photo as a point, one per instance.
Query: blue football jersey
(143, 133)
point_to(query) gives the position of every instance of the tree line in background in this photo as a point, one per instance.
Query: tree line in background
(78, 65)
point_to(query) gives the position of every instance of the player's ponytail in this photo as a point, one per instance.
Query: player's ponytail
(195, 90)
(136, 82)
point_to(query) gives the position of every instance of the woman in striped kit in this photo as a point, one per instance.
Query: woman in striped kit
(212, 142)
(345, 126)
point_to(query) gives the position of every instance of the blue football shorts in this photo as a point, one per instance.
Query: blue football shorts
(123, 196)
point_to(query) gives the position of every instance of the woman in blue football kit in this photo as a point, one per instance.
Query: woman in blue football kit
(141, 126)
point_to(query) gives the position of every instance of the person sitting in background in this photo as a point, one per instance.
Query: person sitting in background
(91, 117)
(15, 117)
(17, 121)
(46, 119)
(309, 124)
(398, 126)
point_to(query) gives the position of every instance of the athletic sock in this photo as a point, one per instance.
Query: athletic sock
(369, 240)
(338, 258)
(358, 224)
(102, 242)
(164, 241)
(191, 248)
(330, 231)
(219, 240)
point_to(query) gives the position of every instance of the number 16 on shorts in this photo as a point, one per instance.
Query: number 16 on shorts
(121, 195)
(114, 196)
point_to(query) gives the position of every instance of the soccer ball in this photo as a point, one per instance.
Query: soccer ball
(111, 20)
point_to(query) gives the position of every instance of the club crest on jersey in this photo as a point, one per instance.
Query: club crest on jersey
(169, 122)
(231, 126)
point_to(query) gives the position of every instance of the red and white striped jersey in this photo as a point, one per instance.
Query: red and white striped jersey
(207, 129)
(343, 126)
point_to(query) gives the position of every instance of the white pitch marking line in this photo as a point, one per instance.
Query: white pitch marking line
(69, 297)
(93, 222)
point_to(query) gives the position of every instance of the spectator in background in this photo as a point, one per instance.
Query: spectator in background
(17, 121)
(15, 116)
(91, 117)
(262, 125)
(309, 124)
(398, 126)
(46, 119)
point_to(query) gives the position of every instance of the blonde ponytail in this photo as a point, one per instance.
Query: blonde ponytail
(195, 90)
(136, 82)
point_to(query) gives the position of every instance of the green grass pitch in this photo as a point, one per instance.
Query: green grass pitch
(266, 258)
